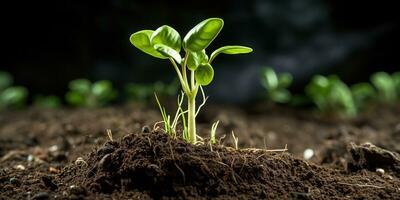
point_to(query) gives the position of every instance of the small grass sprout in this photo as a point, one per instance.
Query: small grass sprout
(276, 85)
(11, 96)
(213, 132)
(194, 68)
(84, 93)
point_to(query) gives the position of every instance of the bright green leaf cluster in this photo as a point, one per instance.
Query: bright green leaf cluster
(196, 68)
(84, 93)
(276, 85)
(11, 96)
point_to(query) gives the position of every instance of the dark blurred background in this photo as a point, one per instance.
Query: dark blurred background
(45, 44)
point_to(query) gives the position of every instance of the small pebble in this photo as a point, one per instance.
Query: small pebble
(77, 190)
(19, 167)
(380, 171)
(41, 196)
(54, 170)
(53, 148)
(308, 154)
(146, 129)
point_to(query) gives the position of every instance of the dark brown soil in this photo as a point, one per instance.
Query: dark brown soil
(66, 154)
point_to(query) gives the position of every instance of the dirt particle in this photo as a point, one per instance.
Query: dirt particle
(48, 182)
(146, 129)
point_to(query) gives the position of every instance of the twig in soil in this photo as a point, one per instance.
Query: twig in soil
(265, 150)
(110, 135)
(361, 185)
(236, 140)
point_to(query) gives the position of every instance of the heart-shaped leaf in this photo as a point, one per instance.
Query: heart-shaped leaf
(168, 52)
(196, 58)
(231, 50)
(204, 74)
(168, 36)
(199, 37)
(141, 40)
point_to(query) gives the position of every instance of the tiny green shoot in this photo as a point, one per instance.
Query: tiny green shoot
(194, 69)
(363, 93)
(84, 93)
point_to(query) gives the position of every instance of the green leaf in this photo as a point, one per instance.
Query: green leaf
(204, 74)
(196, 58)
(14, 96)
(6, 80)
(269, 79)
(285, 80)
(75, 98)
(82, 86)
(168, 52)
(199, 37)
(231, 50)
(102, 89)
(141, 40)
(385, 86)
(281, 96)
(168, 36)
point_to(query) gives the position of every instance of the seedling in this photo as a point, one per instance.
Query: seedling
(11, 96)
(84, 93)
(194, 69)
(363, 93)
(330, 94)
(144, 92)
(50, 101)
(385, 86)
(276, 85)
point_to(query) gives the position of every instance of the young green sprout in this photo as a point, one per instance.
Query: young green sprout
(385, 86)
(47, 102)
(143, 92)
(194, 69)
(276, 85)
(84, 93)
(363, 93)
(330, 94)
(11, 96)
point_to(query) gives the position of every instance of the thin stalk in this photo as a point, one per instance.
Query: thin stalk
(192, 118)
(184, 84)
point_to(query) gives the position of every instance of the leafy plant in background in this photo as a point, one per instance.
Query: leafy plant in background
(396, 79)
(144, 92)
(194, 69)
(50, 101)
(276, 85)
(11, 96)
(385, 86)
(84, 93)
(363, 93)
(330, 94)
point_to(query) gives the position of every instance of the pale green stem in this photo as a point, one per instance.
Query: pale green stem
(192, 118)
(184, 84)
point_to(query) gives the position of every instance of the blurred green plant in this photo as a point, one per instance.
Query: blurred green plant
(385, 86)
(48, 102)
(84, 93)
(277, 85)
(363, 94)
(331, 95)
(166, 43)
(145, 92)
(11, 96)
